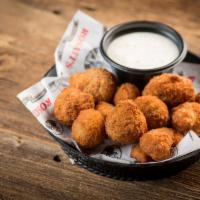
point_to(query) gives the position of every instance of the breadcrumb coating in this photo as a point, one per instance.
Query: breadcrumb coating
(155, 111)
(126, 123)
(138, 154)
(96, 81)
(88, 129)
(177, 137)
(69, 103)
(170, 88)
(126, 91)
(186, 117)
(104, 108)
(157, 143)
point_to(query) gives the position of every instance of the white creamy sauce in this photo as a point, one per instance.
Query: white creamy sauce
(142, 50)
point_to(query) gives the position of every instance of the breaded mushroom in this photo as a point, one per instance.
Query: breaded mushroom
(88, 129)
(126, 91)
(186, 117)
(155, 111)
(69, 103)
(104, 108)
(170, 88)
(197, 98)
(96, 81)
(138, 154)
(157, 143)
(126, 123)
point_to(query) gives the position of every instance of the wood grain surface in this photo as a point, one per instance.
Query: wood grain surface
(32, 165)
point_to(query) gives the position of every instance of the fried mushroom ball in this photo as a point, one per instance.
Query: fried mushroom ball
(88, 129)
(69, 103)
(104, 108)
(96, 81)
(170, 88)
(155, 111)
(157, 143)
(126, 91)
(126, 123)
(139, 155)
(186, 117)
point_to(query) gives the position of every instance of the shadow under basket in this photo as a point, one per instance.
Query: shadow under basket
(135, 171)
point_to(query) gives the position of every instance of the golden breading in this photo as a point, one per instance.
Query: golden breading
(157, 143)
(126, 91)
(88, 129)
(69, 103)
(126, 123)
(104, 108)
(170, 88)
(186, 117)
(177, 137)
(155, 111)
(139, 155)
(96, 81)
(197, 98)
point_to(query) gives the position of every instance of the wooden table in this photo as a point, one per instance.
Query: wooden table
(32, 165)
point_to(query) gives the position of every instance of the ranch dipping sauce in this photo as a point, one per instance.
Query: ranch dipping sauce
(142, 50)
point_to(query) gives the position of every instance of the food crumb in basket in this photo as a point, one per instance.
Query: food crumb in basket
(57, 158)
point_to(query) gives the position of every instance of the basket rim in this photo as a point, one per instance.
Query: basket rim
(133, 165)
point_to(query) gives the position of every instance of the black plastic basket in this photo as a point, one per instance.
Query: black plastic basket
(135, 171)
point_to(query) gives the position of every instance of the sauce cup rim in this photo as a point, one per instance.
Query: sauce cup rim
(143, 26)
